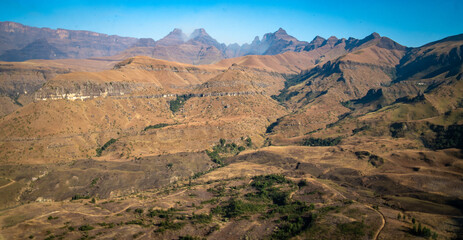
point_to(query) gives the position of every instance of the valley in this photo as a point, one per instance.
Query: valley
(279, 139)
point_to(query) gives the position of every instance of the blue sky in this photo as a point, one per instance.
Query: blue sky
(409, 22)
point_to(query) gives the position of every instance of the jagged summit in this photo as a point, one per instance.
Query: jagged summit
(256, 40)
(318, 39)
(200, 32)
(281, 31)
(375, 35)
(197, 48)
(175, 37)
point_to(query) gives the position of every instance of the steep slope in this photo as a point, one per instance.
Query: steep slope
(316, 95)
(210, 101)
(420, 104)
(442, 57)
(20, 80)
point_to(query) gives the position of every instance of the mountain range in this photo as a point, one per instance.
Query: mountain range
(185, 137)
(20, 43)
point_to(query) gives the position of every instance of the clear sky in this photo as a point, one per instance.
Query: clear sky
(409, 22)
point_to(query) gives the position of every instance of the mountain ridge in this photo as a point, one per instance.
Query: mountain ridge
(198, 48)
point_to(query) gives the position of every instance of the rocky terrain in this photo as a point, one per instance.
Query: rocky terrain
(328, 139)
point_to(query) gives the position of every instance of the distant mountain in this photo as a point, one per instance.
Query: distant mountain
(276, 43)
(19, 42)
(374, 73)
(176, 37)
(39, 49)
(198, 48)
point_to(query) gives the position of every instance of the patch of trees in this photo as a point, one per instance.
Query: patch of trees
(374, 160)
(178, 103)
(397, 129)
(423, 231)
(85, 227)
(273, 125)
(159, 125)
(100, 150)
(450, 137)
(321, 141)
(352, 230)
(349, 105)
(360, 129)
(284, 96)
(236, 207)
(226, 148)
(271, 200)
(78, 196)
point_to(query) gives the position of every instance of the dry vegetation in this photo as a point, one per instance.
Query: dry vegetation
(164, 150)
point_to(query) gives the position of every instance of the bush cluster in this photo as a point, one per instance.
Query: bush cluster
(100, 150)
(321, 141)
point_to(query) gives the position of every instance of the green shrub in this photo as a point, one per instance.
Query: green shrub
(248, 142)
(352, 229)
(422, 231)
(178, 103)
(302, 183)
(78, 196)
(170, 225)
(100, 150)
(162, 213)
(235, 208)
(201, 218)
(450, 137)
(85, 228)
(321, 141)
(159, 125)
(262, 182)
(134, 222)
(188, 237)
(292, 227)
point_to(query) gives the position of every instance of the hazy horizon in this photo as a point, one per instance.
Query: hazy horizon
(410, 23)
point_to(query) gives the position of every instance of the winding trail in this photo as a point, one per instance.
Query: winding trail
(383, 222)
(8, 184)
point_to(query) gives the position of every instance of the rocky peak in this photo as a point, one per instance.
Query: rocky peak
(374, 35)
(200, 36)
(315, 43)
(280, 31)
(173, 38)
(318, 40)
(200, 32)
(331, 41)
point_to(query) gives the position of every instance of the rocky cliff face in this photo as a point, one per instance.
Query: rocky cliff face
(18, 84)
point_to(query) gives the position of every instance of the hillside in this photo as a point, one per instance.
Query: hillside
(328, 139)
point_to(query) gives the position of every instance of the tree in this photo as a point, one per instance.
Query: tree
(222, 142)
(248, 142)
